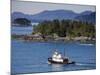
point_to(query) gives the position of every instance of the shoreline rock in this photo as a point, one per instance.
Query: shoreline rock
(49, 38)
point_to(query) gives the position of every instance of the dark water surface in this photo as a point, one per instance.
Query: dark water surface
(31, 57)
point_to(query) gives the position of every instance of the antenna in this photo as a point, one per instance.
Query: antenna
(64, 52)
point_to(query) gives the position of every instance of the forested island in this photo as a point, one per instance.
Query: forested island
(61, 30)
(21, 22)
(65, 28)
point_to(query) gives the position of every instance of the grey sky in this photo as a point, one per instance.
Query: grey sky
(34, 7)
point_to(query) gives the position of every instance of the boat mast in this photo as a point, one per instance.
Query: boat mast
(64, 52)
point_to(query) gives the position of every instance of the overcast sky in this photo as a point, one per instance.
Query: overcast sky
(34, 7)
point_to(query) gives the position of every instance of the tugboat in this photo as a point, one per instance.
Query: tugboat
(57, 58)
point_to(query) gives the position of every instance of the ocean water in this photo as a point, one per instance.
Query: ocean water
(21, 30)
(32, 57)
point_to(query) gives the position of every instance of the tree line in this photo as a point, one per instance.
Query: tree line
(65, 28)
(22, 22)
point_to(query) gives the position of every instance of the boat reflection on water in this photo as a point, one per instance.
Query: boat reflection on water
(57, 67)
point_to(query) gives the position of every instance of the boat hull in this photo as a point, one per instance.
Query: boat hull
(65, 61)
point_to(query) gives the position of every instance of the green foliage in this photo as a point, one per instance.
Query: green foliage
(22, 21)
(65, 28)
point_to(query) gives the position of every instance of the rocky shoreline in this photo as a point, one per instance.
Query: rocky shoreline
(50, 38)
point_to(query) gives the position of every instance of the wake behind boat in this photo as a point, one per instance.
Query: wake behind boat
(87, 44)
(57, 58)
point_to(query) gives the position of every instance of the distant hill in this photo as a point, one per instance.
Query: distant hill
(90, 17)
(16, 15)
(56, 14)
(46, 15)
(86, 13)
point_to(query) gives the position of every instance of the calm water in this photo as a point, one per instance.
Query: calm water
(21, 30)
(31, 57)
